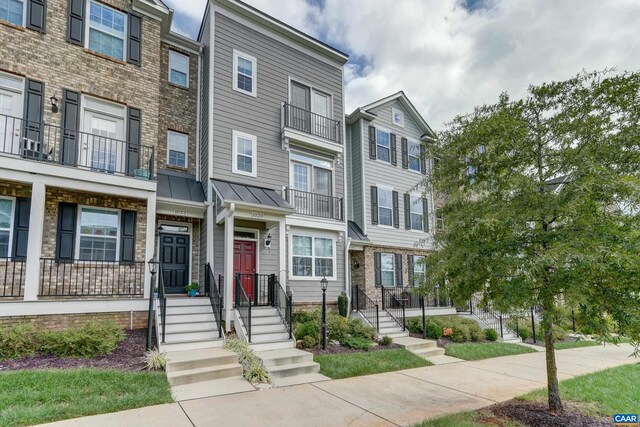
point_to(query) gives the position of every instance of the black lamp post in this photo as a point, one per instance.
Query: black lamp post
(323, 284)
(153, 265)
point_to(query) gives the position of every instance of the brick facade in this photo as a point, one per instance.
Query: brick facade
(125, 319)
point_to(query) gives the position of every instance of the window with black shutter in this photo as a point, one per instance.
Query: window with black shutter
(372, 142)
(70, 122)
(398, 268)
(407, 211)
(31, 146)
(65, 235)
(374, 205)
(134, 55)
(134, 116)
(396, 210)
(37, 15)
(75, 24)
(128, 236)
(405, 153)
(21, 227)
(394, 150)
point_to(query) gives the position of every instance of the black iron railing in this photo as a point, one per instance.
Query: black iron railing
(56, 145)
(258, 288)
(162, 299)
(283, 303)
(212, 289)
(12, 272)
(311, 123)
(411, 299)
(243, 305)
(365, 305)
(317, 205)
(394, 306)
(79, 278)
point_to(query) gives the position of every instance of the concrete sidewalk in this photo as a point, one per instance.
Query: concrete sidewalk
(394, 398)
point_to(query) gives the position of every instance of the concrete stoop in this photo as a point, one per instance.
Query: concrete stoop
(268, 331)
(420, 347)
(190, 325)
(387, 326)
(204, 372)
(290, 366)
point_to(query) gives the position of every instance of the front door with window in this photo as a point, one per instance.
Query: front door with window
(244, 262)
(174, 261)
(102, 142)
(10, 123)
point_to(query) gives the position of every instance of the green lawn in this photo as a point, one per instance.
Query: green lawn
(373, 362)
(462, 419)
(575, 344)
(39, 396)
(477, 351)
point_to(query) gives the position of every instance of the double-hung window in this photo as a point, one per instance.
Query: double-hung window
(413, 149)
(417, 213)
(385, 206)
(312, 257)
(244, 154)
(12, 11)
(387, 269)
(177, 149)
(383, 145)
(99, 234)
(244, 73)
(107, 30)
(6, 221)
(178, 69)
(419, 270)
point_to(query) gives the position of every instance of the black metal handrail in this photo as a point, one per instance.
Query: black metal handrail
(365, 306)
(212, 289)
(258, 287)
(393, 306)
(243, 305)
(69, 147)
(493, 318)
(317, 205)
(283, 303)
(411, 298)
(12, 273)
(162, 297)
(80, 278)
(312, 123)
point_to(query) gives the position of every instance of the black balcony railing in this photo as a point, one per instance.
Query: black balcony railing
(80, 278)
(410, 298)
(311, 123)
(317, 205)
(56, 145)
(12, 273)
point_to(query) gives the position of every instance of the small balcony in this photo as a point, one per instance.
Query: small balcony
(52, 144)
(318, 205)
(312, 124)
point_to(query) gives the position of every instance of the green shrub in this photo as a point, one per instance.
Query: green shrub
(252, 368)
(256, 373)
(20, 340)
(91, 340)
(386, 340)
(357, 328)
(337, 327)
(307, 329)
(358, 343)
(414, 325)
(433, 331)
(304, 317)
(461, 333)
(524, 333)
(308, 342)
(155, 360)
(343, 304)
(490, 334)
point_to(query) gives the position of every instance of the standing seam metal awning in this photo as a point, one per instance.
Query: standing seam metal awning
(250, 194)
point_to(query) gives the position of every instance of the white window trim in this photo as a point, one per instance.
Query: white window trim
(24, 15)
(12, 219)
(393, 270)
(312, 166)
(419, 196)
(377, 157)
(186, 148)
(254, 147)
(79, 231)
(254, 77)
(313, 276)
(175, 52)
(313, 89)
(413, 141)
(106, 108)
(393, 112)
(386, 188)
(87, 29)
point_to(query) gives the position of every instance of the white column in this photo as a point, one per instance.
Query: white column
(228, 269)
(150, 247)
(282, 249)
(34, 244)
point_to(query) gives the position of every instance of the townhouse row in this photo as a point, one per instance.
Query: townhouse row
(229, 158)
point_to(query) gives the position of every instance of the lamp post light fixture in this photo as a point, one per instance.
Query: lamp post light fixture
(153, 268)
(323, 284)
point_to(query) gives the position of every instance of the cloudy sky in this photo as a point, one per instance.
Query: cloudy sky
(449, 56)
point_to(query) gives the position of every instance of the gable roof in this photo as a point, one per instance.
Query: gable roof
(365, 112)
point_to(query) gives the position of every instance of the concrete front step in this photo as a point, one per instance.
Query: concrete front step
(174, 302)
(188, 309)
(187, 318)
(429, 352)
(284, 357)
(299, 379)
(294, 369)
(273, 345)
(190, 336)
(190, 327)
(265, 320)
(411, 343)
(263, 312)
(192, 359)
(210, 388)
(189, 376)
(268, 336)
(191, 345)
(395, 335)
(268, 328)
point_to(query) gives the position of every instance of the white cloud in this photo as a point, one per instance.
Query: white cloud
(448, 59)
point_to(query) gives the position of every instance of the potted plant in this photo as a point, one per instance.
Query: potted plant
(192, 289)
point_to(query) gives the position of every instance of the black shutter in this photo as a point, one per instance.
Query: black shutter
(37, 15)
(65, 237)
(128, 236)
(372, 142)
(425, 214)
(134, 53)
(405, 153)
(410, 269)
(399, 279)
(21, 227)
(374, 205)
(70, 121)
(394, 150)
(396, 210)
(33, 110)
(134, 116)
(75, 26)
(407, 211)
(378, 268)
(423, 159)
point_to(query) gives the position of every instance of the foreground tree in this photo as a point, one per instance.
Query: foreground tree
(531, 191)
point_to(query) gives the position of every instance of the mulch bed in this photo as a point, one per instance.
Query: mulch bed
(342, 349)
(537, 414)
(128, 357)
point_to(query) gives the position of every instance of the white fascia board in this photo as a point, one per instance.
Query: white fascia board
(177, 207)
(311, 222)
(302, 138)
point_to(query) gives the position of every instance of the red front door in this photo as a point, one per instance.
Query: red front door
(244, 262)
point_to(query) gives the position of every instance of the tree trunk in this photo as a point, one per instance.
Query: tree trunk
(555, 404)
